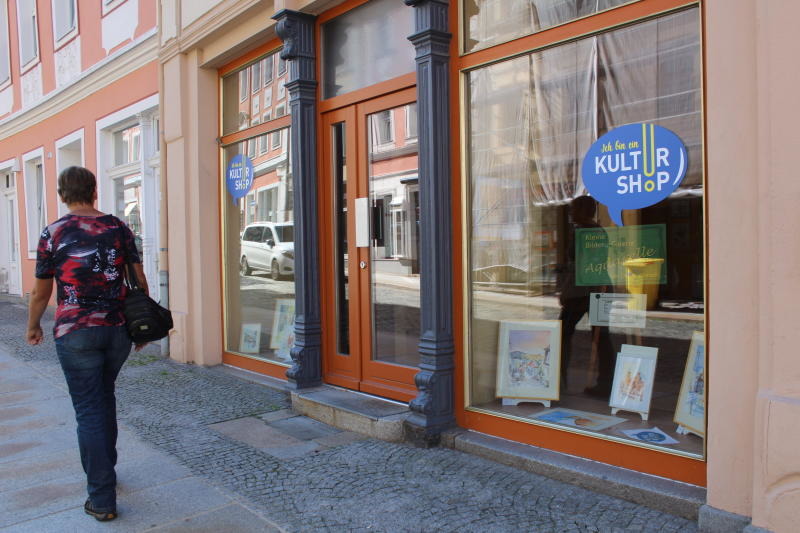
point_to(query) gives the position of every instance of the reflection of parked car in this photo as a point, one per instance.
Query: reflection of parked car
(268, 246)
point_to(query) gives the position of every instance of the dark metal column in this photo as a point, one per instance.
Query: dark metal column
(296, 30)
(432, 409)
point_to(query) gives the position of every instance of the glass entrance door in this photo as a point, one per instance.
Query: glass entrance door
(369, 228)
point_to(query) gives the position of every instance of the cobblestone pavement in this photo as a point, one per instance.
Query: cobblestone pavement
(358, 484)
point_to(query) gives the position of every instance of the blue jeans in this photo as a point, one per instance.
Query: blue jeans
(91, 358)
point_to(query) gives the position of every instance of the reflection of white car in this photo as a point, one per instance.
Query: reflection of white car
(268, 246)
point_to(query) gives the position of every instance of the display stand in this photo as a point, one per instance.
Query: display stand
(643, 414)
(683, 430)
(517, 401)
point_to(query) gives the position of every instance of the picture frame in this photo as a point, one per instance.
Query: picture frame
(250, 338)
(282, 337)
(634, 376)
(690, 411)
(529, 360)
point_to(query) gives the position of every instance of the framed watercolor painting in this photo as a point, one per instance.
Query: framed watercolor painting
(690, 413)
(529, 360)
(283, 328)
(250, 338)
(633, 380)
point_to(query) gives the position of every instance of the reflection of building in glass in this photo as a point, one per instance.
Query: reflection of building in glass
(262, 97)
(394, 189)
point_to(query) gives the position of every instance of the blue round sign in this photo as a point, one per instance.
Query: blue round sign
(239, 176)
(634, 166)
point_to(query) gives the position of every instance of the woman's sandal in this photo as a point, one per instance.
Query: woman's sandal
(100, 516)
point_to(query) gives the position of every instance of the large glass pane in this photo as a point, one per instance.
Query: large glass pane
(394, 250)
(247, 95)
(129, 205)
(367, 45)
(491, 22)
(339, 165)
(566, 305)
(258, 255)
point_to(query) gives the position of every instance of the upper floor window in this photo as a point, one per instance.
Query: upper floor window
(256, 76)
(28, 32)
(5, 67)
(108, 5)
(281, 65)
(269, 65)
(128, 145)
(65, 18)
(243, 85)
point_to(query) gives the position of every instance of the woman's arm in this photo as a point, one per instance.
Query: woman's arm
(40, 296)
(138, 269)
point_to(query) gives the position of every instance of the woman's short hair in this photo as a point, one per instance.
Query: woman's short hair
(76, 185)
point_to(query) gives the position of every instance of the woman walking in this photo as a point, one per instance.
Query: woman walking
(86, 251)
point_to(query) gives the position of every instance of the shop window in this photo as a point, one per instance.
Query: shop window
(35, 202)
(490, 22)
(258, 256)
(128, 145)
(241, 98)
(5, 68)
(601, 326)
(381, 52)
(65, 19)
(28, 32)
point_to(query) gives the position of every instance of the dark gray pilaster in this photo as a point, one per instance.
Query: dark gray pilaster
(432, 409)
(296, 30)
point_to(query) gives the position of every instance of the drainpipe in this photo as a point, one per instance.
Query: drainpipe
(163, 249)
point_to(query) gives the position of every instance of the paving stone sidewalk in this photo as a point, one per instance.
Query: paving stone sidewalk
(202, 450)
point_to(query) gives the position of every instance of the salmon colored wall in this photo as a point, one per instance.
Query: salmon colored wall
(147, 17)
(120, 94)
(89, 17)
(44, 10)
(13, 52)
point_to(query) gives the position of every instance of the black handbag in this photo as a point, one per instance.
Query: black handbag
(145, 320)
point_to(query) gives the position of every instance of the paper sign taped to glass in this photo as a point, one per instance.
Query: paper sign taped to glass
(621, 256)
(621, 310)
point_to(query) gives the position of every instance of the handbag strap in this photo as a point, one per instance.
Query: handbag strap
(128, 274)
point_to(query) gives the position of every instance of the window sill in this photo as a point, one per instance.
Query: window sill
(64, 41)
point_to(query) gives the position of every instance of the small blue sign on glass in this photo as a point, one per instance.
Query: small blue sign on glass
(634, 166)
(239, 176)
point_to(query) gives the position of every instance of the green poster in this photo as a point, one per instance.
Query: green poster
(606, 256)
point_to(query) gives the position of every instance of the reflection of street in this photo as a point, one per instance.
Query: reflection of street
(256, 282)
